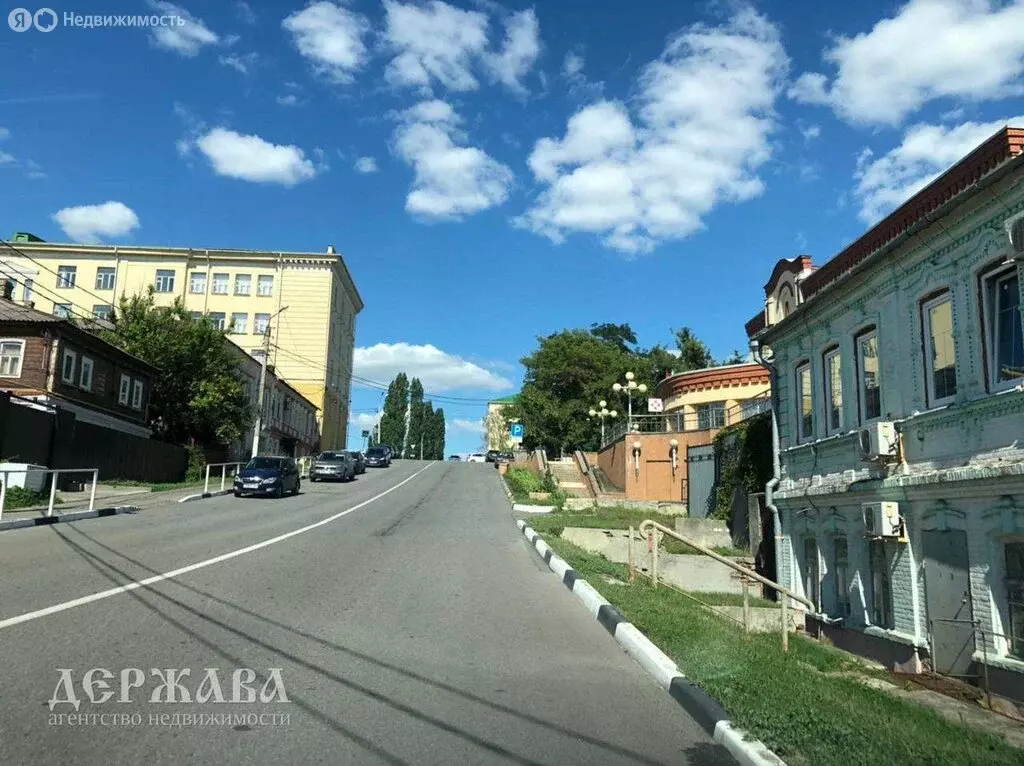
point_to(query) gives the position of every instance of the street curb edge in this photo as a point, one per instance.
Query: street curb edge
(205, 495)
(45, 521)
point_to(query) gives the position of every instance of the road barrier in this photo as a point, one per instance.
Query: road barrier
(223, 474)
(56, 472)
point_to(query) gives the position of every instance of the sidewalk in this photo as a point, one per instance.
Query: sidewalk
(107, 497)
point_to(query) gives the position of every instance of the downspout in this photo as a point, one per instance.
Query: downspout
(773, 483)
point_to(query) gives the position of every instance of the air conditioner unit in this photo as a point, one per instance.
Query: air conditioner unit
(882, 519)
(1015, 232)
(878, 440)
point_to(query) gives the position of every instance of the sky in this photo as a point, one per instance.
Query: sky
(492, 172)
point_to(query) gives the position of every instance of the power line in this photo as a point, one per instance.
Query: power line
(23, 254)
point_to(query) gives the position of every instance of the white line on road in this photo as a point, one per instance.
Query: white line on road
(136, 584)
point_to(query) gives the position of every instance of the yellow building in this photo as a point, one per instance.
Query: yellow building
(313, 336)
(715, 396)
(496, 424)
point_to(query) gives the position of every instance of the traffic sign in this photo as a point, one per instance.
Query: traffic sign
(366, 434)
(516, 430)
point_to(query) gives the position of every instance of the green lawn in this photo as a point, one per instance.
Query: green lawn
(793, 702)
(598, 518)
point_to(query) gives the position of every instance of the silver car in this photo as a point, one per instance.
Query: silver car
(336, 466)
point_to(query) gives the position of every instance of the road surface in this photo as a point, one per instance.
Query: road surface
(408, 618)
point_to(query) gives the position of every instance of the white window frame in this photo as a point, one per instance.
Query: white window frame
(21, 355)
(841, 577)
(265, 279)
(124, 392)
(236, 328)
(63, 272)
(196, 278)
(102, 274)
(168, 277)
(106, 314)
(219, 319)
(137, 395)
(862, 389)
(245, 279)
(226, 281)
(85, 374)
(256, 324)
(929, 353)
(67, 376)
(989, 285)
(826, 361)
(798, 371)
(27, 286)
(65, 310)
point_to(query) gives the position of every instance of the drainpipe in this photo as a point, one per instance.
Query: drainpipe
(773, 483)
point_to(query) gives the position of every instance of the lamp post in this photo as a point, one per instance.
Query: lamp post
(602, 412)
(629, 387)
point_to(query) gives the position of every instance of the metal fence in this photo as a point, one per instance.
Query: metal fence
(704, 417)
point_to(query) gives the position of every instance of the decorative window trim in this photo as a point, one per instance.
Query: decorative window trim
(124, 392)
(68, 376)
(858, 338)
(798, 370)
(21, 356)
(926, 304)
(84, 380)
(992, 273)
(832, 352)
(137, 395)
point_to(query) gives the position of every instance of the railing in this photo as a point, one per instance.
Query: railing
(56, 472)
(652, 530)
(223, 474)
(683, 422)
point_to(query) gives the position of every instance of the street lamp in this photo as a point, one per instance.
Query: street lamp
(630, 386)
(602, 412)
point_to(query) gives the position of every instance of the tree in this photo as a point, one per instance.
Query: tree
(417, 417)
(392, 419)
(735, 358)
(435, 436)
(198, 396)
(619, 335)
(693, 352)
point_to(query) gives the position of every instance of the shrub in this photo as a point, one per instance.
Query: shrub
(522, 481)
(196, 463)
(19, 497)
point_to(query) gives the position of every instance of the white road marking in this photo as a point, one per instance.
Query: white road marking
(136, 584)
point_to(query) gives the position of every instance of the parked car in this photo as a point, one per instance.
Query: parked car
(377, 457)
(265, 475)
(504, 457)
(360, 460)
(492, 455)
(338, 466)
(476, 457)
(454, 458)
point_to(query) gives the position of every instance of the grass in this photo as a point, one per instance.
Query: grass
(793, 702)
(598, 518)
(671, 545)
(158, 487)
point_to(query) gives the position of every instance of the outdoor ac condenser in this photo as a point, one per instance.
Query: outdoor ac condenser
(882, 519)
(878, 440)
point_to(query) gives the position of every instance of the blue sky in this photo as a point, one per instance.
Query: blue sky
(494, 172)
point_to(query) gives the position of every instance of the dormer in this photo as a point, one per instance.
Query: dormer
(782, 293)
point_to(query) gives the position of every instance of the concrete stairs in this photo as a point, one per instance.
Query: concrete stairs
(568, 477)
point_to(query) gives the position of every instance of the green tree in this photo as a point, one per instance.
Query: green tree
(693, 352)
(735, 358)
(434, 434)
(416, 419)
(392, 419)
(198, 396)
(619, 335)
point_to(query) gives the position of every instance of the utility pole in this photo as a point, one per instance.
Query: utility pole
(258, 425)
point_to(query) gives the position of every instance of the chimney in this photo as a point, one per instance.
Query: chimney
(331, 250)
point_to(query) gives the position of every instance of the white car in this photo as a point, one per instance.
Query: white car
(476, 457)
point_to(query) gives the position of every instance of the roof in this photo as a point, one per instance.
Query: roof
(723, 376)
(505, 399)
(16, 312)
(792, 265)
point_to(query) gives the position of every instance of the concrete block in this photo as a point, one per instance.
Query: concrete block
(711, 533)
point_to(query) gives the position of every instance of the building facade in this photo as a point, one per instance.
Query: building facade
(308, 300)
(898, 380)
(496, 425)
(715, 396)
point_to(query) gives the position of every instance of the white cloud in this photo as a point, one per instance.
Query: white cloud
(244, 12)
(705, 118)
(963, 49)
(433, 42)
(518, 52)
(438, 371)
(580, 87)
(467, 425)
(366, 165)
(288, 99)
(331, 37)
(885, 182)
(810, 132)
(91, 223)
(572, 65)
(364, 421)
(450, 180)
(243, 62)
(187, 39)
(7, 159)
(250, 158)
(4, 133)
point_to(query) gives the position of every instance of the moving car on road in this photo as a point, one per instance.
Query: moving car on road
(454, 458)
(338, 466)
(265, 475)
(492, 455)
(359, 459)
(377, 457)
(476, 457)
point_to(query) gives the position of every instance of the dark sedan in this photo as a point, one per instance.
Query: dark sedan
(377, 458)
(359, 459)
(268, 476)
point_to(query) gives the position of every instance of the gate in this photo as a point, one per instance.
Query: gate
(700, 480)
(948, 600)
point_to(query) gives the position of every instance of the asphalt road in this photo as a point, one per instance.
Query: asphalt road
(412, 627)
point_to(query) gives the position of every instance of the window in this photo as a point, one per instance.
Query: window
(27, 294)
(67, 367)
(881, 584)
(785, 301)
(11, 354)
(85, 374)
(1003, 336)
(196, 315)
(265, 284)
(137, 395)
(238, 322)
(62, 310)
(1015, 596)
(102, 311)
(105, 278)
(811, 569)
(804, 402)
(243, 284)
(870, 393)
(940, 349)
(164, 281)
(841, 576)
(220, 284)
(125, 390)
(711, 415)
(217, 317)
(260, 324)
(833, 391)
(197, 283)
(66, 276)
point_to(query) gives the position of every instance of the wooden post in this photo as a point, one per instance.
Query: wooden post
(654, 555)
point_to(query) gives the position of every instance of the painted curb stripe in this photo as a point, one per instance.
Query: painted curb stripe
(569, 578)
(698, 703)
(610, 617)
(67, 518)
(748, 752)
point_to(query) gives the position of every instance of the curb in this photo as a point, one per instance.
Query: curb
(45, 521)
(205, 495)
(701, 706)
(523, 508)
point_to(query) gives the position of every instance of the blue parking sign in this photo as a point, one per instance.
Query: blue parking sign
(517, 430)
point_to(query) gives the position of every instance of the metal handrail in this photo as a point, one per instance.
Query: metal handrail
(55, 472)
(223, 474)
